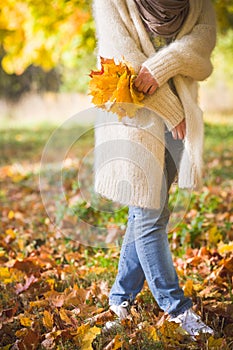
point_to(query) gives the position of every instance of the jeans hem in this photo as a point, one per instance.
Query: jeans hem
(182, 310)
(112, 302)
(119, 302)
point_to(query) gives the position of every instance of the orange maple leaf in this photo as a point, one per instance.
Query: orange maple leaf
(114, 83)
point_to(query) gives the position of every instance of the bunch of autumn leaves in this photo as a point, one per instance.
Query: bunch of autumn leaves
(112, 88)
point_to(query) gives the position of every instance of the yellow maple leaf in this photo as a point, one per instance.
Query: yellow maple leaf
(48, 319)
(89, 337)
(137, 96)
(188, 288)
(225, 248)
(152, 332)
(64, 316)
(115, 344)
(114, 83)
(26, 321)
(122, 91)
(171, 331)
(9, 232)
(11, 214)
(85, 336)
(5, 274)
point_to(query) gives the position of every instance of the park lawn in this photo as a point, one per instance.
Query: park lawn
(52, 283)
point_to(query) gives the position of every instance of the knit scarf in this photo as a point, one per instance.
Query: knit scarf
(163, 17)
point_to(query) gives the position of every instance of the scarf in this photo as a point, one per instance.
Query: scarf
(163, 17)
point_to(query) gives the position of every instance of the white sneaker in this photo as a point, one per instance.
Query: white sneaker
(192, 323)
(122, 311)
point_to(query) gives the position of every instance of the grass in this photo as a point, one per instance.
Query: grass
(24, 148)
(206, 224)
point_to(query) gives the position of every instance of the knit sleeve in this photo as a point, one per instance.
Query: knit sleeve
(167, 105)
(189, 55)
(113, 37)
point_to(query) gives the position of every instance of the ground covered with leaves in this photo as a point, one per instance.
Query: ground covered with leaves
(54, 289)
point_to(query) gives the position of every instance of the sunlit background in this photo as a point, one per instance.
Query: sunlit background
(47, 49)
(51, 283)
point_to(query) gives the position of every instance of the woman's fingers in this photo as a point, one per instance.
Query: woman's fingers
(179, 132)
(147, 87)
(145, 82)
(152, 89)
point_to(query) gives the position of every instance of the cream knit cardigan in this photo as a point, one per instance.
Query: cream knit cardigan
(129, 156)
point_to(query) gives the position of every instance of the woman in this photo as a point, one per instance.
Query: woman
(168, 43)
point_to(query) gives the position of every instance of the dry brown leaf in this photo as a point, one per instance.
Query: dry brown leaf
(101, 318)
(29, 339)
(55, 298)
(228, 264)
(29, 281)
(7, 315)
(27, 266)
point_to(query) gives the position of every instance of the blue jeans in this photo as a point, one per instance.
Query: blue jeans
(145, 252)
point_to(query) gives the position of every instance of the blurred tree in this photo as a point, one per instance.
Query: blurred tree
(60, 34)
(44, 32)
(223, 54)
(13, 86)
(55, 36)
(224, 12)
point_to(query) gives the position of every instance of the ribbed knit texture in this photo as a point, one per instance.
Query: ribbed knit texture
(123, 36)
(129, 161)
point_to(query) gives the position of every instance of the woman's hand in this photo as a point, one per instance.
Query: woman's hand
(179, 132)
(145, 82)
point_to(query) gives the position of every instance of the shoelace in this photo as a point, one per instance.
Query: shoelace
(193, 323)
